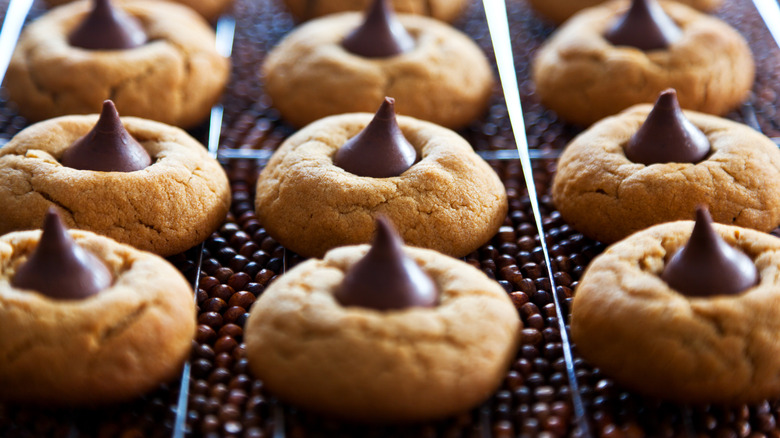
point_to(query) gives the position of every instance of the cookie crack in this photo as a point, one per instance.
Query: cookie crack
(123, 324)
(61, 206)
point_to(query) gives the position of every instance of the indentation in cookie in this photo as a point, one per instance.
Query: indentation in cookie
(380, 150)
(108, 147)
(707, 265)
(107, 28)
(60, 268)
(386, 278)
(667, 136)
(645, 26)
(380, 35)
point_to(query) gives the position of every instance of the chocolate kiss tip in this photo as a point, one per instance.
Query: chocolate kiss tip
(59, 268)
(645, 26)
(380, 35)
(667, 136)
(107, 28)
(380, 150)
(386, 278)
(706, 265)
(108, 147)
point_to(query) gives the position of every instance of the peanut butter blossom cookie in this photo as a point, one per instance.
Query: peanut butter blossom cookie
(93, 321)
(208, 9)
(386, 333)
(154, 59)
(690, 313)
(347, 62)
(650, 165)
(140, 182)
(613, 56)
(325, 185)
(445, 10)
(560, 10)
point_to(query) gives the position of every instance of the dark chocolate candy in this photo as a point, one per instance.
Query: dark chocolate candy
(380, 36)
(645, 26)
(667, 136)
(386, 278)
(108, 147)
(380, 150)
(59, 268)
(707, 265)
(107, 28)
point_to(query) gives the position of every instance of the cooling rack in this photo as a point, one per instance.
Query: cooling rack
(217, 396)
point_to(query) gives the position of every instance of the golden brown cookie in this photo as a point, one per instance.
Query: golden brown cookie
(607, 197)
(165, 208)
(450, 200)
(559, 11)
(444, 10)
(584, 78)
(369, 365)
(208, 9)
(632, 325)
(175, 78)
(444, 79)
(112, 346)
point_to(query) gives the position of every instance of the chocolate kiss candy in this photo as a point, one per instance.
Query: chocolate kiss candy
(380, 36)
(380, 150)
(107, 28)
(386, 278)
(60, 268)
(108, 147)
(645, 26)
(707, 265)
(667, 136)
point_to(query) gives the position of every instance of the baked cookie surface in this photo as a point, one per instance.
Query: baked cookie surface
(650, 338)
(165, 208)
(445, 10)
(559, 11)
(175, 78)
(208, 9)
(605, 196)
(584, 78)
(444, 79)
(110, 347)
(450, 200)
(369, 365)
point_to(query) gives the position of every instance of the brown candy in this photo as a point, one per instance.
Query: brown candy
(380, 150)
(59, 268)
(386, 278)
(667, 136)
(707, 265)
(645, 26)
(108, 147)
(107, 28)
(380, 36)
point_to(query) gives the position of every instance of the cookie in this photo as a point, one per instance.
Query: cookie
(606, 196)
(113, 346)
(450, 200)
(166, 208)
(559, 11)
(584, 78)
(175, 78)
(369, 365)
(444, 10)
(445, 78)
(208, 9)
(651, 338)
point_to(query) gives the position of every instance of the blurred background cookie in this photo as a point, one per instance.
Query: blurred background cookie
(559, 11)
(445, 10)
(347, 63)
(155, 60)
(610, 57)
